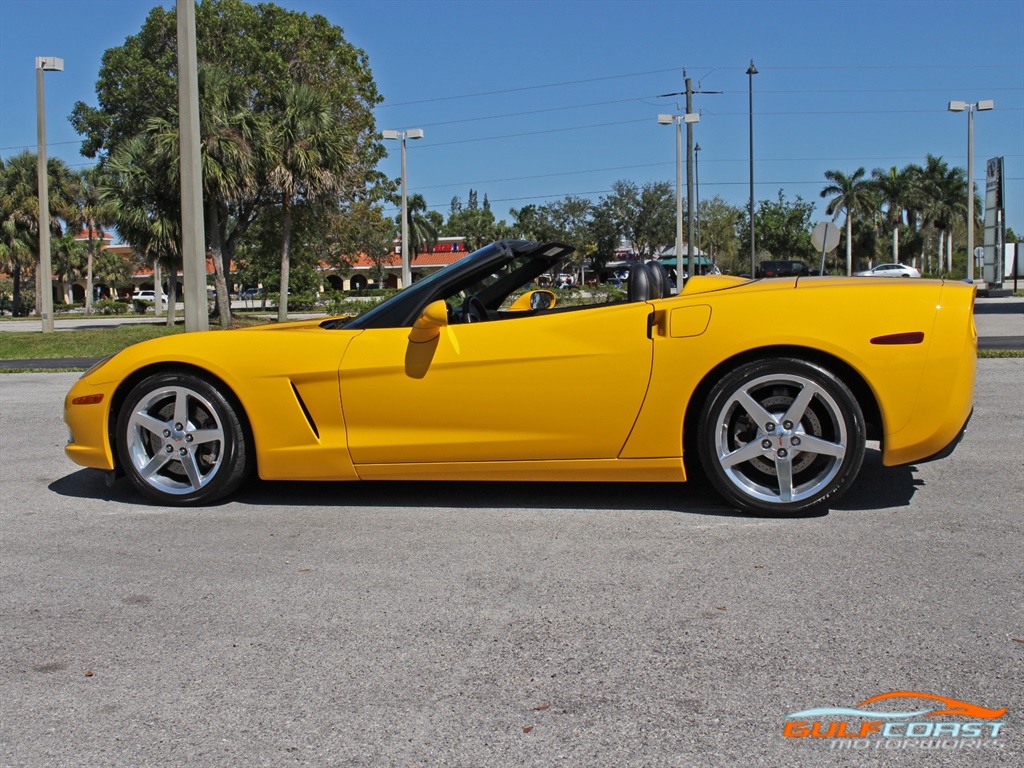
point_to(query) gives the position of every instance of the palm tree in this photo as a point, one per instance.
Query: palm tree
(310, 159)
(231, 143)
(894, 189)
(851, 195)
(943, 189)
(19, 213)
(94, 216)
(145, 209)
(18, 244)
(422, 232)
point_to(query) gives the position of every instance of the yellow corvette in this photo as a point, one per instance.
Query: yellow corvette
(770, 387)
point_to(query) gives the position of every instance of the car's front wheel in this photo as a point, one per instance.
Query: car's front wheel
(781, 436)
(181, 441)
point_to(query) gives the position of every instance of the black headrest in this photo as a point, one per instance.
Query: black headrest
(660, 275)
(640, 285)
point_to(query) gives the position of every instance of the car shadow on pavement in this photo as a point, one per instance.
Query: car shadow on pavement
(880, 487)
(877, 487)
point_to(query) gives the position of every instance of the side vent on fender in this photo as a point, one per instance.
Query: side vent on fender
(305, 411)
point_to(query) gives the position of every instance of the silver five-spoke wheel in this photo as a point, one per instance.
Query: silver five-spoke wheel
(180, 440)
(781, 436)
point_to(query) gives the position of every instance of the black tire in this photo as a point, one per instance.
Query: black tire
(781, 437)
(181, 441)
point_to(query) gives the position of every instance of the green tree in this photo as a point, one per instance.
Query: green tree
(646, 215)
(943, 190)
(423, 228)
(783, 228)
(477, 225)
(894, 190)
(268, 51)
(144, 208)
(94, 216)
(718, 224)
(19, 209)
(853, 196)
(310, 153)
(19, 222)
(365, 229)
(70, 257)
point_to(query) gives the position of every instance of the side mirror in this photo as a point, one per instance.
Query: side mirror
(429, 324)
(533, 300)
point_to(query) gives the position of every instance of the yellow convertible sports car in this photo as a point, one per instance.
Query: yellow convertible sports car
(769, 387)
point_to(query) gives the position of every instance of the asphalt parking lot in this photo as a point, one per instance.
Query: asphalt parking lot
(418, 624)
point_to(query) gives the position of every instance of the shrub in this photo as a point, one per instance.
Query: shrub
(111, 307)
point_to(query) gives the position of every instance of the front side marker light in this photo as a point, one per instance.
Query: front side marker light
(88, 400)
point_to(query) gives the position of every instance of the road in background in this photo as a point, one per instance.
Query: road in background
(474, 624)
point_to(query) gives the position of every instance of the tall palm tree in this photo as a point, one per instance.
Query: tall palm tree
(20, 215)
(18, 241)
(69, 256)
(893, 187)
(231, 143)
(944, 190)
(94, 216)
(422, 232)
(145, 210)
(310, 159)
(851, 195)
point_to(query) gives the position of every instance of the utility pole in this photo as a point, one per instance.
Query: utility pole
(193, 239)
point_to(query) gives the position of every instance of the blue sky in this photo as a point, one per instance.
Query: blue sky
(531, 101)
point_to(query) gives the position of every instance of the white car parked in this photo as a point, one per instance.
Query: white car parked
(148, 296)
(890, 270)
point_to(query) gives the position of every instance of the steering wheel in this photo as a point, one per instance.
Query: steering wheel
(473, 310)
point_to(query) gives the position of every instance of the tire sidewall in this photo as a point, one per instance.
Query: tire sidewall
(850, 412)
(234, 462)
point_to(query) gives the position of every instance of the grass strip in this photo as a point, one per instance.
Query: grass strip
(90, 342)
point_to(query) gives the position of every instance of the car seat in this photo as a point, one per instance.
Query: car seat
(640, 284)
(660, 288)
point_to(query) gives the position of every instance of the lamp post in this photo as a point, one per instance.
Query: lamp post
(45, 289)
(960, 106)
(751, 71)
(696, 204)
(688, 118)
(412, 133)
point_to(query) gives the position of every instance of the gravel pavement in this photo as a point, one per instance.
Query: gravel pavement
(474, 624)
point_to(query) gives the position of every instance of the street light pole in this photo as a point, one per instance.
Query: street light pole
(687, 118)
(44, 291)
(751, 71)
(696, 204)
(960, 106)
(412, 133)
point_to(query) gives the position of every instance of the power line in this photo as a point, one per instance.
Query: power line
(904, 67)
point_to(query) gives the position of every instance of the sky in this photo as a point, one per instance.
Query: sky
(528, 101)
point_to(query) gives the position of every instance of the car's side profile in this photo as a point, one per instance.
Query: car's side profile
(147, 296)
(771, 388)
(890, 270)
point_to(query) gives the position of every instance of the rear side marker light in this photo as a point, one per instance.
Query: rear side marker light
(915, 337)
(88, 400)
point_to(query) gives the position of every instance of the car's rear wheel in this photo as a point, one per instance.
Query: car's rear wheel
(781, 436)
(181, 441)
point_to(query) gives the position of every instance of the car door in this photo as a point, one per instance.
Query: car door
(563, 385)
